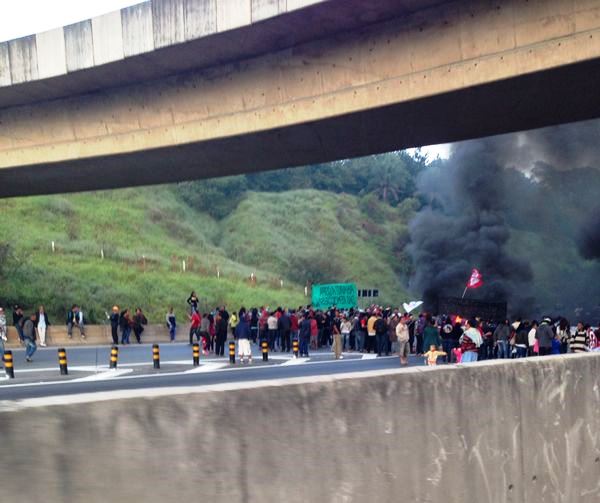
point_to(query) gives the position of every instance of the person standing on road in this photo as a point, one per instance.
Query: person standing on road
(420, 325)
(242, 334)
(212, 332)
(370, 341)
(221, 333)
(345, 328)
(522, 339)
(272, 324)
(171, 324)
(305, 335)
(254, 325)
(125, 322)
(205, 333)
(195, 324)
(294, 326)
(470, 342)
(447, 341)
(403, 338)
(284, 326)
(431, 335)
(392, 323)
(232, 322)
(337, 341)
(531, 339)
(139, 320)
(360, 327)
(544, 336)
(18, 321)
(75, 318)
(502, 338)
(114, 317)
(29, 337)
(314, 332)
(564, 332)
(3, 333)
(579, 341)
(380, 327)
(263, 327)
(42, 324)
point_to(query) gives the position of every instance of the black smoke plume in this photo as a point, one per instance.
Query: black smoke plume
(589, 237)
(463, 226)
(523, 208)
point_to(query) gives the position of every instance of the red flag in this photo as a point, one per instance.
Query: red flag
(476, 279)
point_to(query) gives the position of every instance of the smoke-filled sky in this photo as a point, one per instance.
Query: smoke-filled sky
(525, 209)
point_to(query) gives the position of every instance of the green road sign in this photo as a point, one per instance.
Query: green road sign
(342, 295)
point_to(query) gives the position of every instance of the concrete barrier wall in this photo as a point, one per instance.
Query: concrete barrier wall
(522, 431)
(100, 334)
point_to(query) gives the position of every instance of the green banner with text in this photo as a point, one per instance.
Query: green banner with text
(342, 295)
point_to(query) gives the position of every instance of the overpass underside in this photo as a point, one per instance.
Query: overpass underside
(449, 72)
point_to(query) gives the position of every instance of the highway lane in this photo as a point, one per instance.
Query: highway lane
(212, 371)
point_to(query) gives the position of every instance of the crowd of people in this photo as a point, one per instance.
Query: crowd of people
(386, 331)
(33, 327)
(377, 330)
(124, 321)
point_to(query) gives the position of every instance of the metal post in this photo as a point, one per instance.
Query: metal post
(156, 356)
(232, 352)
(265, 351)
(196, 354)
(295, 347)
(9, 369)
(114, 357)
(62, 361)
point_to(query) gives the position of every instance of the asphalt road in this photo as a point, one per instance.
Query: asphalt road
(88, 369)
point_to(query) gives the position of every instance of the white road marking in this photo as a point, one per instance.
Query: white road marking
(100, 396)
(295, 361)
(368, 356)
(76, 368)
(208, 367)
(102, 376)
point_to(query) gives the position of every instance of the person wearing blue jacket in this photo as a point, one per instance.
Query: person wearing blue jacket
(304, 335)
(171, 324)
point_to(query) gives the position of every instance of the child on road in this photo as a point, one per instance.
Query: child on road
(432, 355)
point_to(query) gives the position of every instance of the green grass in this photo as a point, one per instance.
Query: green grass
(145, 234)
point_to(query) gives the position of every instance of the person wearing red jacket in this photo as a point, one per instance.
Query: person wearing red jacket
(294, 325)
(195, 326)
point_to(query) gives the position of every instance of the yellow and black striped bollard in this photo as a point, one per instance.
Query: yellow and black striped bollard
(295, 348)
(196, 354)
(156, 356)
(265, 351)
(9, 368)
(232, 352)
(62, 361)
(114, 357)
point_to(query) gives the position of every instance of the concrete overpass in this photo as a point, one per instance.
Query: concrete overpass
(172, 90)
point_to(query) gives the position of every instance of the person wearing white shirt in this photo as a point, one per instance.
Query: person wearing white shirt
(345, 328)
(272, 324)
(531, 337)
(3, 337)
(42, 324)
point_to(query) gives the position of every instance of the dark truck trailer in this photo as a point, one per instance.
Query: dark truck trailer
(467, 308)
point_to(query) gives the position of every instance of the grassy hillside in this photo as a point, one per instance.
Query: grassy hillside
(318, 236)
(145, 234)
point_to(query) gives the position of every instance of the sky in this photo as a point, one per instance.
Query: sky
(25, 17)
